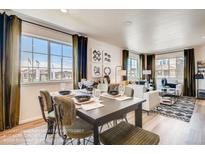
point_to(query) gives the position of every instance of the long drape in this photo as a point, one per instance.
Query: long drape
(189, 72)
(79, 59)
(151, 66)
(142, 65)
(125, 56)
(10, 34)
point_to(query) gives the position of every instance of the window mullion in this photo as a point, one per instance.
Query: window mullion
(49, 62)
(61, 61)
(32, 77)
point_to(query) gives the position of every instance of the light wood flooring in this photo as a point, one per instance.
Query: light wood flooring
(171, 131)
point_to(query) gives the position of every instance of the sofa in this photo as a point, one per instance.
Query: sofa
(152, 97)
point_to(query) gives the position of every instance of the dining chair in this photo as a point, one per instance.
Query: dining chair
(68, 125)
(129, 92)
(128, 134)
(48, 115)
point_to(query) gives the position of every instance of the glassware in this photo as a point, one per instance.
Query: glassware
(96, 93)
(80, 85)
(121, 89)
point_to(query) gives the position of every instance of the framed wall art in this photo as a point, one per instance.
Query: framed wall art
(97, 56)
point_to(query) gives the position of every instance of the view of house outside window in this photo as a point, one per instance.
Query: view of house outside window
(44, 60)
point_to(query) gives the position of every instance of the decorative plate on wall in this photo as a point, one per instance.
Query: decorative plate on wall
(106, 70)
(96, 70)
(96, 55)
(106, 57)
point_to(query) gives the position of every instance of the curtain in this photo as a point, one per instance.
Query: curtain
(10, 34)
(79, 59)
(189, 72)
(142, 63)
(125, 56)
(151, 66)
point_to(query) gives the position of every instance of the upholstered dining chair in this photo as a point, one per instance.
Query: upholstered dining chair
(129, 92)
(46, 106)
(68, 125)
(128, 134)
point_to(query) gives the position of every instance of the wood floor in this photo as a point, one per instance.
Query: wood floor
(171, 131)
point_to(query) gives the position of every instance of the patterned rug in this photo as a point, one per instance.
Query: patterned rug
(182, 109)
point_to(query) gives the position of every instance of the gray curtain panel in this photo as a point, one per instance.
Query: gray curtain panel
(79, 59)
(10, 36)
(151, 66)
(125, 56)
(142, 65)
(189, 73)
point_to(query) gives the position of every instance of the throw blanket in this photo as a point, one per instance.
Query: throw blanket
(66, 110)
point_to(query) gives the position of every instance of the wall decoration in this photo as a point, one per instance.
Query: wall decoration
(106, 57)
(96, 55)
(106, 70)
(96, 70)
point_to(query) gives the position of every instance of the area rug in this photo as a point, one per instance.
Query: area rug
(182, 109)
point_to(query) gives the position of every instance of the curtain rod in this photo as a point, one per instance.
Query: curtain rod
(46, 27)
(170, 52)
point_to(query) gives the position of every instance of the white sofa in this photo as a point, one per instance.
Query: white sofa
(152, 97)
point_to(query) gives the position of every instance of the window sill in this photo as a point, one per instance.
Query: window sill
(48, 82)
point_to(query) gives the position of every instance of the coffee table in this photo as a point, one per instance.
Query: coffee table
(168, 97)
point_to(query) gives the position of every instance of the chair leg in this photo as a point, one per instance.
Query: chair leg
(88, 140)
(101, 127)
(78, 142)
(50, 127)
(64, 141)
(126, 119)
(46, 135)
(54, 133)
(84, 141)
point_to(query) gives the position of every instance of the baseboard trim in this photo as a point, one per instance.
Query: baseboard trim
(30, 120)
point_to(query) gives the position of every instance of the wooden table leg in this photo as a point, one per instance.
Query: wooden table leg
(138, 116)
(96, 135)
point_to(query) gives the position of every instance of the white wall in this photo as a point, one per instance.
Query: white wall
(30, 108)
(200, 55)
(29, 104)
(115, 52)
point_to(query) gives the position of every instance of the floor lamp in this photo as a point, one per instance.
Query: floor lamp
(121, 72)
(146, 73)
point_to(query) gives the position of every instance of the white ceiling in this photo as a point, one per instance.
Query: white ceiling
(150, 30)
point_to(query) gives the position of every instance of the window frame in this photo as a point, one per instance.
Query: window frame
(130, 67)
(168, 69)
(48, 59)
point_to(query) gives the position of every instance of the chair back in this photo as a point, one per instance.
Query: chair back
(42, 108)
(113, 87)
(65, 112)
(164, 82)
(46, 100)
(129, 92)
(103, 87)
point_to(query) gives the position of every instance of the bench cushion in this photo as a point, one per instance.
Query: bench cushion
(127, 134)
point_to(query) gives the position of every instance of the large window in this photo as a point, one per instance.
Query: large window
(133, 68)
(44, 60)
(169, 67)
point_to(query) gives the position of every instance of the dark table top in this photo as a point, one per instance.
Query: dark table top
(111, 107)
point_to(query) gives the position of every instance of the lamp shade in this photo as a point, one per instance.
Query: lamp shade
(146, 72)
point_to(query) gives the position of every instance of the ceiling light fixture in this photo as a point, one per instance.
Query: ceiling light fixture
(127, 23)
(63, 10)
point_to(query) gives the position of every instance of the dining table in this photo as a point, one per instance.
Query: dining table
(112, 110)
